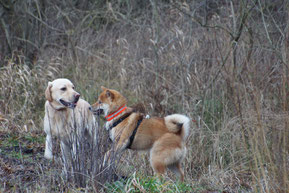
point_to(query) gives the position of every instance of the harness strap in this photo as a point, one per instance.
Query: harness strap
(134, 133)
(119, 120)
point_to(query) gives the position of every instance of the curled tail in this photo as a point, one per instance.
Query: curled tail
(177, 123)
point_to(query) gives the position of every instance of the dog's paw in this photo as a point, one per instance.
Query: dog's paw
(48, 155)
(106, 159)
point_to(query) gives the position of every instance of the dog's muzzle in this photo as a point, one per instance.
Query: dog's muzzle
(96, 111)
(71, 105)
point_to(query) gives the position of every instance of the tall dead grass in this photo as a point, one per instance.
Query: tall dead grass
(21, 88)
(227, 69)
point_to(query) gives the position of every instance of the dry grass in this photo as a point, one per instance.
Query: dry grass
(228, 70)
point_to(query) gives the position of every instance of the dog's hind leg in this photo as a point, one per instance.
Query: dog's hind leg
(177, 169)
(158, 167)
(157, 161)
(168, 151)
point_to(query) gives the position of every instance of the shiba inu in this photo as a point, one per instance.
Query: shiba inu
(164, 137)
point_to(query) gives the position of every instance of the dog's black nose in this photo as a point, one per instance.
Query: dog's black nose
(77, 96)
(90, 108)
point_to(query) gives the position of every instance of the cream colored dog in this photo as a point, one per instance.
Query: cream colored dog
(65, 113)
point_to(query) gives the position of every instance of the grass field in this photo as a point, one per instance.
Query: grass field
(225, 65)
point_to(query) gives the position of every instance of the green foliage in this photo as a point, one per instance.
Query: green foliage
(10, 141)
(150, 184)
(21, 147)
(14, 140)
(213, 113)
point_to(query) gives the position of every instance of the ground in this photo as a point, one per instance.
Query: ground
(21, 158)
(23, 167)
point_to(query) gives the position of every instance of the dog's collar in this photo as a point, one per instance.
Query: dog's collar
(119, 121)
(60, 109)
(116, 113)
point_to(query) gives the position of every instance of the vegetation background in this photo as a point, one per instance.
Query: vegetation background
(223, 63)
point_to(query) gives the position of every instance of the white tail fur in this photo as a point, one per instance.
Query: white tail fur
(175, 122)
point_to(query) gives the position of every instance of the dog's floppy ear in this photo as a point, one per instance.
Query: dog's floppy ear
(109, 94)
(48, 92)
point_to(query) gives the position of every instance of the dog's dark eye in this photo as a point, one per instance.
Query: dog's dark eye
(99, 102)
(73, 87)
(63, 89)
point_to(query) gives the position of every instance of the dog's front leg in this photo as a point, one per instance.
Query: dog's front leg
(48, 154)
(120, 146)
(66, 156)
(106, 158)
(48, 147)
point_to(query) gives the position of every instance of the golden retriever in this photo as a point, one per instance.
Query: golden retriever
(65, 113)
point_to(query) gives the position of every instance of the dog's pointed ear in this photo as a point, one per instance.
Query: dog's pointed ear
(103, 88)
(48, 92)
(109, 94)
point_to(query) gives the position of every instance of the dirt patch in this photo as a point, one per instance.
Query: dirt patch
(21, 159)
